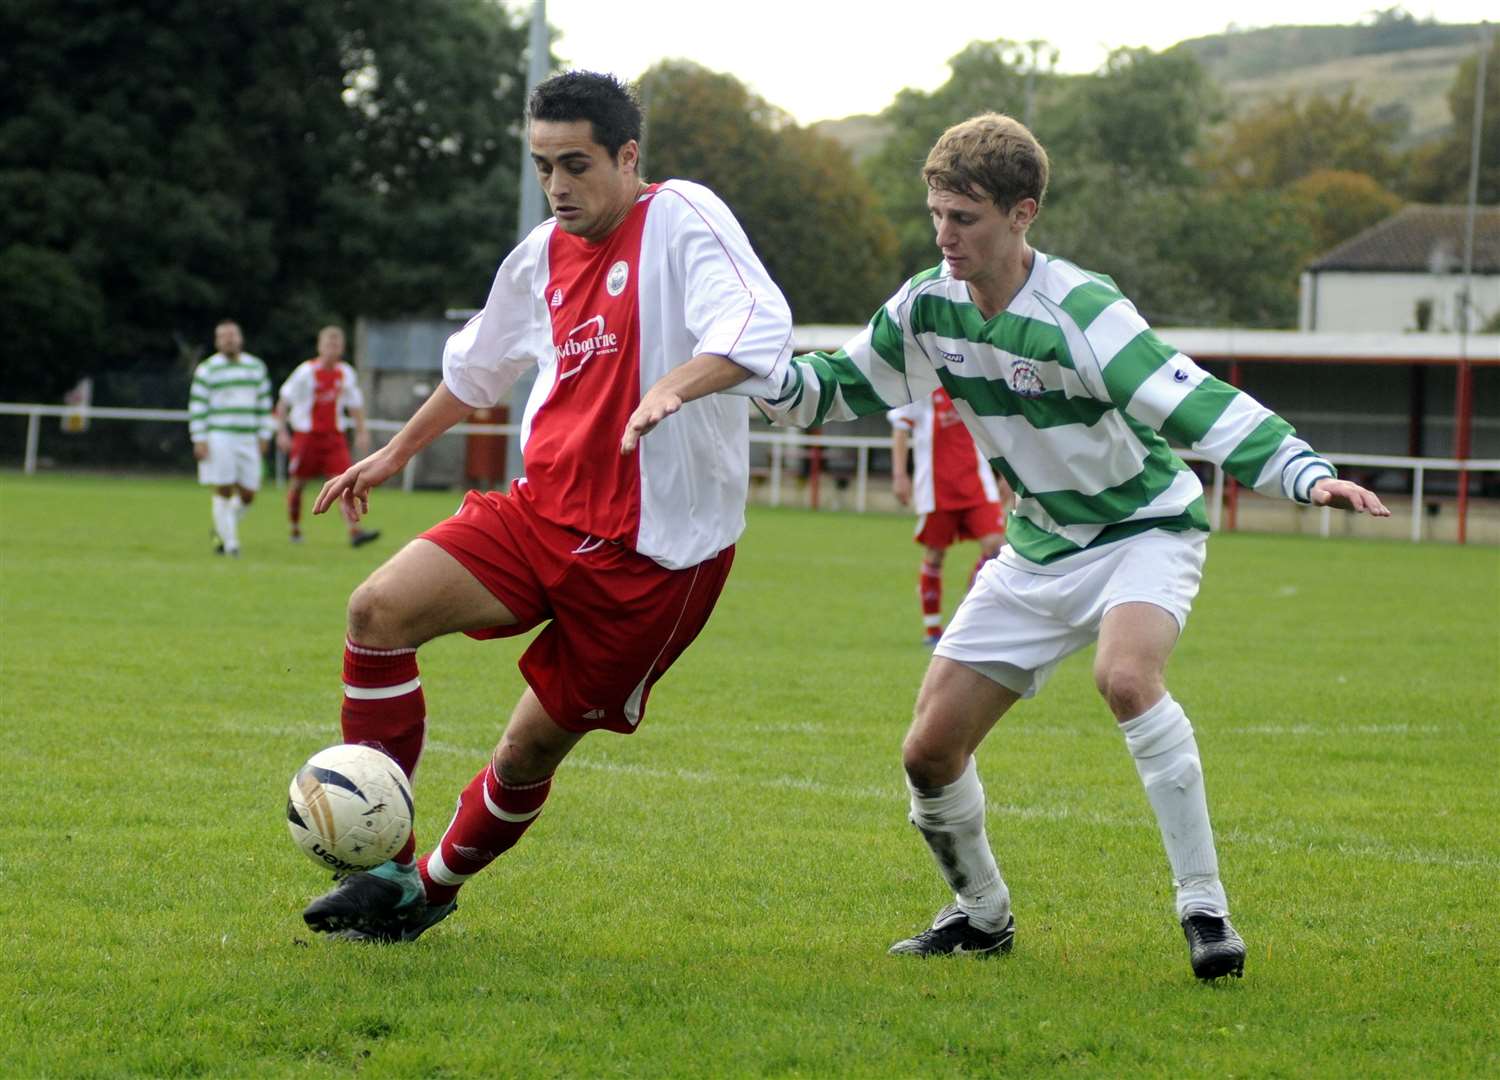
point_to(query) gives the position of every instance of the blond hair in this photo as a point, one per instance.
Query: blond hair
(992, 155)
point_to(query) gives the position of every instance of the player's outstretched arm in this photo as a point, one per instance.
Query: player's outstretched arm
(351, 488)
(1346, 495)
(704, 374)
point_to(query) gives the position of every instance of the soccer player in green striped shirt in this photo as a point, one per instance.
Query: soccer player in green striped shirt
(229, 421)
(1072, 397)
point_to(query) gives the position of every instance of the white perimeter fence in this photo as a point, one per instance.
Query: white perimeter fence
(782, 446)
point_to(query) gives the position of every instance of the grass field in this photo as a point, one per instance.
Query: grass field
(714, 895)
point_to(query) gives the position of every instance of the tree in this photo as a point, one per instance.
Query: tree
(1244, 250)
(1135, 122)
(435, 93)
(1336, 205)
(284, 163)
(985, 77)
(1285, 139)
(1140, 119)
(1127, 202)
(1187, 256)
(1441, 170)
(48, 311)
(806, 209)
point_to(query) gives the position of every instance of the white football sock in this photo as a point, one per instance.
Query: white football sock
(951, 820)
(237, 505)
(224, 523)
(228, 521)
(1166, 756)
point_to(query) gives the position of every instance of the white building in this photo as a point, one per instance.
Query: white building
(1406, 274)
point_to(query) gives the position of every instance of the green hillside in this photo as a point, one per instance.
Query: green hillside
(1402, 67)
(1239, 55)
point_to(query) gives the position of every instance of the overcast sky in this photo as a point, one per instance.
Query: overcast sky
(824, 59)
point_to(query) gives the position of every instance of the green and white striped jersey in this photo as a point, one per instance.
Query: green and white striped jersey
(1068, 393)
(230, 396)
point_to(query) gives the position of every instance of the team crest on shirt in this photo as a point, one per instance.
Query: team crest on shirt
(619, 273)
(1025, 379)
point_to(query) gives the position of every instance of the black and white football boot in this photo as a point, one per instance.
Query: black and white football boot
(1214, 948)
(368, 900)
(410, 924)
(951, 934)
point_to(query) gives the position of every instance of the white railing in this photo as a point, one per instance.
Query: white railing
(784, 444)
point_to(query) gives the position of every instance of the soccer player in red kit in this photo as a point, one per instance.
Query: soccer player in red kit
(319, 400)
(639, 303)
(954, 492)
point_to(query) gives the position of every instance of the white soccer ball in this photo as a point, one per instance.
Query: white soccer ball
(349, 808)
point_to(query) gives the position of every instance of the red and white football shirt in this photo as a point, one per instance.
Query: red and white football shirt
(604, 321)
(318, 396)
(948, 471)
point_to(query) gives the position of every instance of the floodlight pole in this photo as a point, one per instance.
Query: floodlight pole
(530, 213)
(1464, 393)
(531, 210)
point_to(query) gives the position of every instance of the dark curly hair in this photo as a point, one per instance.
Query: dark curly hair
(609, 105)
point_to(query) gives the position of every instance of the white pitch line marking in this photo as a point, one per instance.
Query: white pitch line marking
(1310, 842)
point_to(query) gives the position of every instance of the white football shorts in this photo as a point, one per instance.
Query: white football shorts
(232, 459)
(1016, 625)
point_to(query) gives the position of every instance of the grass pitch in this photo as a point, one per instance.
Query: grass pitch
(714, 895)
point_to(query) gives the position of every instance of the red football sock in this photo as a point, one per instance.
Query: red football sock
(930, 590)
(491, 817)
(294, 507)
(384, 708)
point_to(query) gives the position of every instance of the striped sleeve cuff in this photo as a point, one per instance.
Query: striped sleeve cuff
(791, 388)
(1303, 473)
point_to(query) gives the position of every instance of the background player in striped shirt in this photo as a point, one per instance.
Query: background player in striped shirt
(319, 401)
(229, 421)
(1068, 392)
(619, 544)
(954, 493)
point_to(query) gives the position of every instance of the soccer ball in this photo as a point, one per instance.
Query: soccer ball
(349, 808)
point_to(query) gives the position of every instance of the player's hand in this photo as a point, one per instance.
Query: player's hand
(1346, 495)
(200, 451)
(901, 488)
(351, 488)
(283, 442)
(656, 406)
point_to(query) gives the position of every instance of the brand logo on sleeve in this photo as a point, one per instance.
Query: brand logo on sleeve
(619, 273)
(557, 298)
(1179, 375)
(585, 341)
(1025, 380)
(952, 357)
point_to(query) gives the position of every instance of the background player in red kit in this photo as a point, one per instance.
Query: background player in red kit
(954, 493)
(319, 400)
(621, 545)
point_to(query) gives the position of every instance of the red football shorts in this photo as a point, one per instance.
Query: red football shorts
(318, 453)
(942, 528)
(618, 619)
